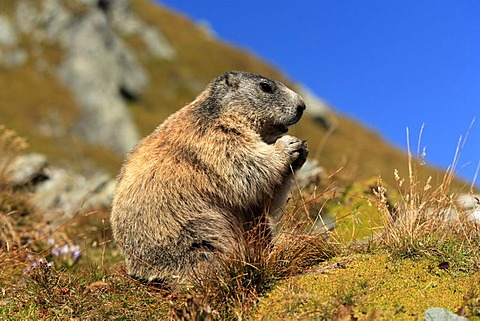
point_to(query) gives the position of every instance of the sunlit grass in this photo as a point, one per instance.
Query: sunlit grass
(11, 202)
(417, 225)
(76, 271)
(428, 222)
(233, 290)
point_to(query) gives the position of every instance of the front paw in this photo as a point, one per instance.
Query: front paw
(302, 156)
(289, 144)
(295, 148)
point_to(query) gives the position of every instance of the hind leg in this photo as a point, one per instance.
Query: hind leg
(205, 243)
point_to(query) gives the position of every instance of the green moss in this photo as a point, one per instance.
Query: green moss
(365, 286)
(354, 209)
(371, 287)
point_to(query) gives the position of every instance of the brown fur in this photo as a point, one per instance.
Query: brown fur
(212, 171)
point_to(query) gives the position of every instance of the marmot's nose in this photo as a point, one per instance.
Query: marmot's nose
(301, 106)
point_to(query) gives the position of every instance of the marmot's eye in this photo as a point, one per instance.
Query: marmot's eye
(266, 87)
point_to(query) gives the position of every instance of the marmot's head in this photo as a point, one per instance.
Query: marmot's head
(267, 103)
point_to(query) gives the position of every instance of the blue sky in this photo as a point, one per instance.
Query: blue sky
(389, 64)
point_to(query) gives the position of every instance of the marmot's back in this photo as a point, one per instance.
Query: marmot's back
(211, 171)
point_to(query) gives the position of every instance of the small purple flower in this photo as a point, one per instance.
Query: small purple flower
(51, 241)
(38, 263)
(64, 250)
(55, 252)
(75, 252)
(69, 254)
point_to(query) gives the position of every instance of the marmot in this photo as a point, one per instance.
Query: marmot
(207, 174)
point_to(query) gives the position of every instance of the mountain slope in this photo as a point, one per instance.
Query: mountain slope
(157, 61)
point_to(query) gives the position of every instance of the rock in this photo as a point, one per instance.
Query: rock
(475, 215)
(15, 58)
(310, 173)
(26, 17)
(439, 314)
(157, 44)
(207, 29)
(128, 23)
(470, 204)
(10, 54)
(468, 201)
(465, 206)
(52, 125)
(65, 194)
(28, 169)
(8, 37)
(49, 194)
(60, 193)
(99, 68)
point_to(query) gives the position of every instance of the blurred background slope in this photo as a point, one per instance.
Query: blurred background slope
(84, 80)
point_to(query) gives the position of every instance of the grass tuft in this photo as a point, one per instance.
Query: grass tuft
(232, 291)
(427, 222)
(74, 271)
(12, 203)
(11, 145)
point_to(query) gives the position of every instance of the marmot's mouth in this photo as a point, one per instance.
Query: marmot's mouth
(273, 132)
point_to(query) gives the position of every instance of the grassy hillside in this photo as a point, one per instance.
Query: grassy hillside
(396, 250)
(415, 260)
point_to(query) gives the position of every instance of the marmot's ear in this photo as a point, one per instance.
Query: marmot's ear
(232, 80)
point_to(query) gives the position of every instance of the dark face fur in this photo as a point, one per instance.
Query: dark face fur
(269, 104)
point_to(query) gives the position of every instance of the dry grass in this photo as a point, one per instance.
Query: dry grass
(37, 283)
(41, 284)
(8, 235)
(72, 271)
(427, 222)
(11, 146)
(232, 291)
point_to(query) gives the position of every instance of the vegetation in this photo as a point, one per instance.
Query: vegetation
(15, 209)
(402, 254)
(371, 287)
(358, 151)
(416, 256)
(395, 250)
